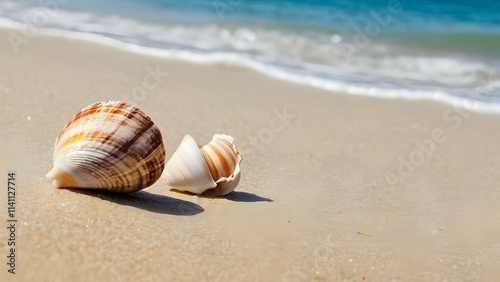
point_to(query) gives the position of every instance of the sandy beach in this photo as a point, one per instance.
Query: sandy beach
(334, 187)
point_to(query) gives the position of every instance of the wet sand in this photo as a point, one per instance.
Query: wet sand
(334, 187)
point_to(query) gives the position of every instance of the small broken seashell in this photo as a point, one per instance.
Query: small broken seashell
(214, 169)
(108, 145)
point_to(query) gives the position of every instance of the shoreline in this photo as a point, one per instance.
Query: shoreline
(275, 73)
(312, 203)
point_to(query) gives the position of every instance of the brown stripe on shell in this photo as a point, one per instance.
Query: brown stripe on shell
(83, 113)
(116, 171)
(97, 107)
(229, 149)
(229, 145)
(145, 124)
(96, 134)
(211, 165)
(123, 122)
(153, 173)
(125, 147)
(228, 157)
(74, 138)
(223, 161)
(156, 143)
(127, 115)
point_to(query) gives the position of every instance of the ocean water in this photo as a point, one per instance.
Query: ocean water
(428, 49)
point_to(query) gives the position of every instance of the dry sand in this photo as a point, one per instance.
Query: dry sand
(313, 202)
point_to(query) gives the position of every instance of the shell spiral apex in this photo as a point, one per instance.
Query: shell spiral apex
(108, 145)
(213, 169)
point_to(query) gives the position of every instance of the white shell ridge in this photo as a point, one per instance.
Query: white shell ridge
(108, 145)
(213, 169)
(187, 170)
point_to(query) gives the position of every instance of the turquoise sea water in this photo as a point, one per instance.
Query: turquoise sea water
(444, 50)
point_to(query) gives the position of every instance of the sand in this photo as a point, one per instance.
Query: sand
(313, 202)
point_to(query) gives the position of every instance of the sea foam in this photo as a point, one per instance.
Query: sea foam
(304, 57)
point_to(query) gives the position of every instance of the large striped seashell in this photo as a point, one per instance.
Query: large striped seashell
(108, 145)
(214, 169)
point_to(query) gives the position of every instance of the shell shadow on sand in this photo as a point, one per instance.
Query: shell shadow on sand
(146, 201)
(235, 196)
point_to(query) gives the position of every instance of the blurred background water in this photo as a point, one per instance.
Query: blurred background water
(442, 49)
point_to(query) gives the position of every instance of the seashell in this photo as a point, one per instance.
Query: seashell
(108, 145)
(214, 169)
